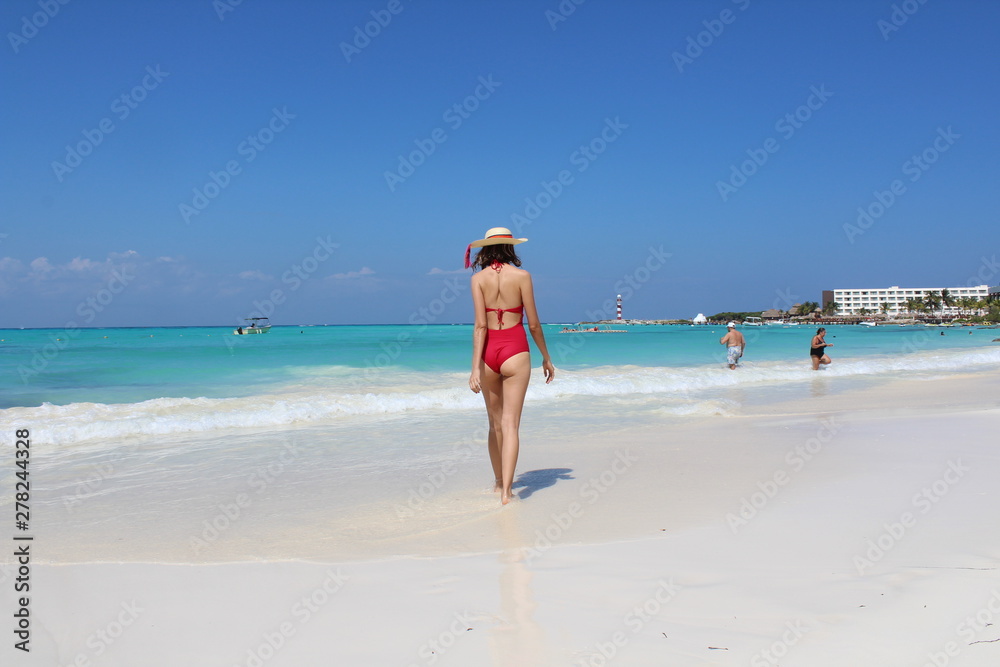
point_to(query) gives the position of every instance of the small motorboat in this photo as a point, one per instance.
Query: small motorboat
(258, 325)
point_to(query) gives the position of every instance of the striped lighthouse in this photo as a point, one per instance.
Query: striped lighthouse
(619, 307)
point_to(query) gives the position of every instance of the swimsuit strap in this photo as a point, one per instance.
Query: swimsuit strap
(496, 266)
(501, 311)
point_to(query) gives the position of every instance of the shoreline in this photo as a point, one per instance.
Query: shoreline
(555, 465)
(839, 528)
(336, 402)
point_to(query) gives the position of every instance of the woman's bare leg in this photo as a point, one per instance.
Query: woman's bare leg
(516, 373)
(492, 385)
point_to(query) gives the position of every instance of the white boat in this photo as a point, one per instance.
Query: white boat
(867, 324)
(258, 325)
(753, 322)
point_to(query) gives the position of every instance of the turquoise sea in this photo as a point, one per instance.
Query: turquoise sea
(130, 365)
(162, 429)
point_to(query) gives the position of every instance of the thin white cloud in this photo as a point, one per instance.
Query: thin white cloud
(440, 272)
(82, 264)
(364, 271)
(41, 268)
(9, 269)
(9, 264)
(82, 274)
(41, 265)
(254, 275)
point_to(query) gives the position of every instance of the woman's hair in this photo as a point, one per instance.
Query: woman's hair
(820, 330)
(501, 252)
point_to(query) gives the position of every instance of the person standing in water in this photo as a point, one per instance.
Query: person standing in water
(817, 349)
(501, 365)
(735, 345)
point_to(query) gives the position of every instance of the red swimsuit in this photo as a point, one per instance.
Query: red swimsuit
(502, 344)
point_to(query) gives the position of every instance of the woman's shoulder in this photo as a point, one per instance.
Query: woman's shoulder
(516, 270)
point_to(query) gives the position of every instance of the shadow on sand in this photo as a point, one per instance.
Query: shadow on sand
(536, 480)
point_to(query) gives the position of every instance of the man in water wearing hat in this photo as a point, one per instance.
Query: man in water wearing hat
(736, 345)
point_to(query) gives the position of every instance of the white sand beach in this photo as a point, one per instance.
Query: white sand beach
(841, 528)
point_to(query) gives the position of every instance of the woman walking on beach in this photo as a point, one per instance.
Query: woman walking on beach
(501, 364)
(817, 349)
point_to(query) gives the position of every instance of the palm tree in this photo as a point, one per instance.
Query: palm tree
(808, 308)
(966, 304)
(912, 305)
(863, 312)
(993, 311)
(884, 307)
(932, 300)
(986, 308)
(947, 301)
(831, 308)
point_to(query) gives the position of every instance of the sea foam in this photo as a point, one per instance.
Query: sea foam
(684, 390)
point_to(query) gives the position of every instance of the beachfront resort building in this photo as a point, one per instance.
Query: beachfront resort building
(851, 301)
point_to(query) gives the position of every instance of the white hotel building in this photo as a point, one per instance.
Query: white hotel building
(851, 301)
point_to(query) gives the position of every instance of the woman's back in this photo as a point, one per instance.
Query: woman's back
(501, 290)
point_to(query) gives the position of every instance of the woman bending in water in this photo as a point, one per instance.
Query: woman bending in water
(502, 296)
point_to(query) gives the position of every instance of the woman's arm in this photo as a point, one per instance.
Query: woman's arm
(535, 327)
(478, 334)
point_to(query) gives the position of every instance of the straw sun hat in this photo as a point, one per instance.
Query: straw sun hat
(494, 236)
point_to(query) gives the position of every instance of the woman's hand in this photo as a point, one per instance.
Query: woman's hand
(549, 370)
(474, 383)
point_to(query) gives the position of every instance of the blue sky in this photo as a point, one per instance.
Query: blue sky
(192, 162)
